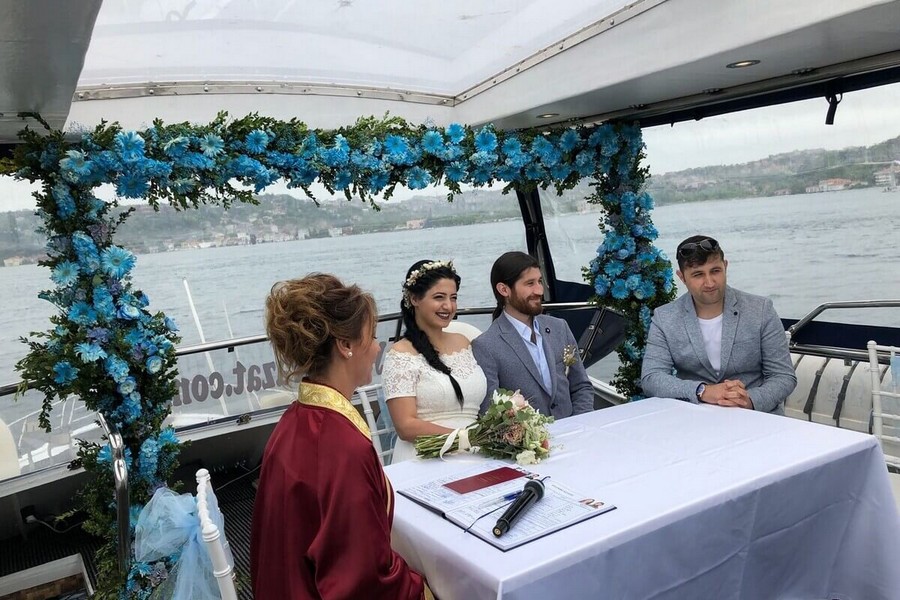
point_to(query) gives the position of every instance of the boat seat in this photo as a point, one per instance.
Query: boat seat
(9, 455)
(383, 432)
(886, 400)
(470, 331)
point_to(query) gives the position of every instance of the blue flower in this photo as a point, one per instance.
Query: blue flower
(397, 150)
(619, 290)
(483, 159)
(89, 352)
(256, 141)
(456, 171)
(601, 286)
(75, 167)
(613, 268)
(418, 178)
(98, 334)
(82, 314)
(176, 147)
(455, 132)
(433, 142)
(129, 312)
(131, 185)
(116, 368)
(65, 373)
(211, 145)
(154, 364)
(117, 262)
(170, 324)
(485, 140)
(378, 181)
(104, 304)
(338, 155)
(147, 462)
(65, 204)
(127, 385)
(343, 180)
(569, 140)
(167, 437)
(129, 145)
(65, 274)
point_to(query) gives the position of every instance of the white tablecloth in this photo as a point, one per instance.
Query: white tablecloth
(712, 503)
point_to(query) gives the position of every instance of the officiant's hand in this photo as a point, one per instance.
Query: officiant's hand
(734, 394)
(730, 392)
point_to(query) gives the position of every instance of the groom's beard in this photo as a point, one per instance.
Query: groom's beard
(531, 306)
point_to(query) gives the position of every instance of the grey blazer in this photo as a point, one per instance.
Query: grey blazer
(754, 350)
(506, 362)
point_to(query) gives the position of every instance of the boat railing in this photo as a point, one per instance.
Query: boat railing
(840, 340)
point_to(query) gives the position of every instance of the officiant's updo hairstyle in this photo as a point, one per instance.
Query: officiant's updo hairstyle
(304, 318)
(507, 269)
(420, 278)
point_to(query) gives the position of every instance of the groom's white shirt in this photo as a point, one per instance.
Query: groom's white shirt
(535, 349)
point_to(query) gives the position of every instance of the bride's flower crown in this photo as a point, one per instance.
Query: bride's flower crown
(414, 276)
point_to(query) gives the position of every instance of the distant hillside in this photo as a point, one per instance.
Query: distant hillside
(787, 173)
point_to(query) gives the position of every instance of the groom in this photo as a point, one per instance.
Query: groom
(529, 351)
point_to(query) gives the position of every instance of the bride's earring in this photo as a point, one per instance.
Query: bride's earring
(350, 354)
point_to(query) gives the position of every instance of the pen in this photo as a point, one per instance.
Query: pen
(512, 496)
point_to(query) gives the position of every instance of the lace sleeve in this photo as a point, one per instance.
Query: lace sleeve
(400, 375)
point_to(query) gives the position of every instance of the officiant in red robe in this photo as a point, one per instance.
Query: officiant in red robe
(324, 507)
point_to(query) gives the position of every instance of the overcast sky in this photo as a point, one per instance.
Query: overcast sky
(863, 118)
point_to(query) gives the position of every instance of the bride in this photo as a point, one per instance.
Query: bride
(431, 380)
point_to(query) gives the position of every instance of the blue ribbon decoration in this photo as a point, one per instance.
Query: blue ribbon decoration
(168, 525)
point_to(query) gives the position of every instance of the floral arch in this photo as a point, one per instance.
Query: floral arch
(107, 347)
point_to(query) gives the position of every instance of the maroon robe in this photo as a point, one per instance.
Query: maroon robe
(324, 507)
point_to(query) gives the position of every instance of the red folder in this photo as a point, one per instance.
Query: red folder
(483, 480)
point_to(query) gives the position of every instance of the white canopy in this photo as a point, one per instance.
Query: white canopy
(504, 61)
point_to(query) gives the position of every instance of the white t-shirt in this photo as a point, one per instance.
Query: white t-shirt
(712, 340)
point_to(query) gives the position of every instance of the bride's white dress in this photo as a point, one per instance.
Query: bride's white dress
(407, 374)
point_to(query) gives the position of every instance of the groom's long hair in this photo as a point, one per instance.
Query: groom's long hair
(424, 282)
(507, 269)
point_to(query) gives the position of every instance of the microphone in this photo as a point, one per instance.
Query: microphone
(533, 491)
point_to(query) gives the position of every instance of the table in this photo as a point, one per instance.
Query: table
(712, 503)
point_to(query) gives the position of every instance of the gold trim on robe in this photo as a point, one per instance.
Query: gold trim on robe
(313, 394)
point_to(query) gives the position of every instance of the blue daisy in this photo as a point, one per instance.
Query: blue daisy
(75, 166)
(65, 274)
(433, 142)
(132, 185)
(117, 262)
(89, 352)
(418, 178)
(82, 313)
(485, 140)
(129, 145)
(455, 132)
(256, 141)
(64, 372)
(176, 147)
(211, 145)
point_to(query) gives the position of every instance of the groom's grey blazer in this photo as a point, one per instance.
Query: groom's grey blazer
(501, 353)
(754, 350)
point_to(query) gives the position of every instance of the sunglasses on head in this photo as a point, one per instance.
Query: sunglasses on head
(707, 245)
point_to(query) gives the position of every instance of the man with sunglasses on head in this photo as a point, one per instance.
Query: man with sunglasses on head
(716, 344)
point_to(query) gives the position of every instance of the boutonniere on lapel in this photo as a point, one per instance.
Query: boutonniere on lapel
(569, 356)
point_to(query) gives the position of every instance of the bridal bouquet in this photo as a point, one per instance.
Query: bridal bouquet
(510, 428)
